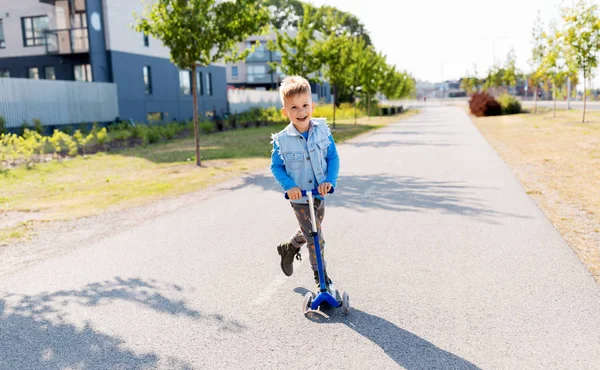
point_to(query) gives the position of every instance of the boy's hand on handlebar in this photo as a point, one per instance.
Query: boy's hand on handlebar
(324, 188)
(295, 193)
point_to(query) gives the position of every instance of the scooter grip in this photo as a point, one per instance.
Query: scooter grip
(314, 192)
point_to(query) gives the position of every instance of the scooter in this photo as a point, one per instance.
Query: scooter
(327, 295)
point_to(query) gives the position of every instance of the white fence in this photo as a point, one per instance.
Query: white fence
(243, 100)
(56, 102)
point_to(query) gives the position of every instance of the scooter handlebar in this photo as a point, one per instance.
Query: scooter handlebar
(314, 192)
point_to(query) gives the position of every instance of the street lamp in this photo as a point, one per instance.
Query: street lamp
(493, 40)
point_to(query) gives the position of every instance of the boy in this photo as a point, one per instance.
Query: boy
(304, 157)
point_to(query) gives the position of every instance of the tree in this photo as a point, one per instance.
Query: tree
(554, 61)
(334, 52)
(537, 57)
(359, 59)
(297, 47)
(466, 83)
(510, 70)
(583, 38)
(349, 23)
(397, 85)
(495, 78)
(201, 32)
(371, 75)
(285, 14)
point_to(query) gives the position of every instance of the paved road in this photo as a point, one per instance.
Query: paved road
(575, 105)
(590, 106)
(449, 265)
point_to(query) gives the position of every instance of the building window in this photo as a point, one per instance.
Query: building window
(148, 80)
(209, 84)
(146, 39)
(155, 117)
(258, 73)
(33, 30)
(185, 82)
(4, 73)
(2, 40)
(33, 73)
(49, 73)
(83, 72)
(199, 83)
(234, 72)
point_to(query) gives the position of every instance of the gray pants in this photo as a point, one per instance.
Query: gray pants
(302, 235)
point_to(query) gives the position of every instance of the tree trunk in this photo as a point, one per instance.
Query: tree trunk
(196, 128)
(334, 99)
(584, 98)
(368, 107)
(354, 98)
(535, 97)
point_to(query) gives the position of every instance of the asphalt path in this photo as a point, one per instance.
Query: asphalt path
(448, 262)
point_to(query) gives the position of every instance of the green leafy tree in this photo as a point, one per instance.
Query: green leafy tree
(583, 37)
(298, 47)
(334, 53)
(511, 73)
(285, 14)
(538, 52)
(371, 75)
(348, 24)
(359, 59)
(495, 78)
(201, 32)
(554, 61)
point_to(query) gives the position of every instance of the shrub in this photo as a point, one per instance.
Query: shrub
(121, 135)
(37, 125)
(206, 127)
(509, 104)
(68, 129)
(2, 125)
(483, 104)
(154, 135)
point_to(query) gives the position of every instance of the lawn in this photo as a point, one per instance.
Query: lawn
(89, 185)
(558, 162)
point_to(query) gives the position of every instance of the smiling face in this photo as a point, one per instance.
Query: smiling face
(299, 109)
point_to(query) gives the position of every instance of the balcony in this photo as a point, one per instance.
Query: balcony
(258, 57)
(75, 5)
(259, 78)
(67, 41)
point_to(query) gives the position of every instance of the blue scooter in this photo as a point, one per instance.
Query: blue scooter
(327, 293)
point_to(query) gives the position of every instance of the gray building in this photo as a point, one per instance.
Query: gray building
(93, 40)
(256, 73)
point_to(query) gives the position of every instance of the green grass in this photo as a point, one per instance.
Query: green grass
(87, 185)
(22, 231)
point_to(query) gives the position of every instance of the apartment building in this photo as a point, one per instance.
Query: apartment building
(94, 41)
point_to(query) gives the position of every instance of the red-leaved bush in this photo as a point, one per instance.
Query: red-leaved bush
(483, 104)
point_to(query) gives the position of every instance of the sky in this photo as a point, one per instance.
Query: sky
(437, 40)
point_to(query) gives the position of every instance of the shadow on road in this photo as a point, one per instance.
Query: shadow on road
(36, 333)
(405, 348)
(398, 193)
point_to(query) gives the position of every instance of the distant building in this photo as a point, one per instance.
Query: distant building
(255, 72)
(92, 40)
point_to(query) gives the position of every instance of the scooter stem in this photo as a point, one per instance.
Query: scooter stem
(315, 236)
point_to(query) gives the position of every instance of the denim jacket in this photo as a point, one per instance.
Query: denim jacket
(305, 163)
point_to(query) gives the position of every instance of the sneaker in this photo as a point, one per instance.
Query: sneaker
(327, 279)
(287, 252)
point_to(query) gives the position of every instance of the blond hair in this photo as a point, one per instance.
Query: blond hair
(292, 86)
